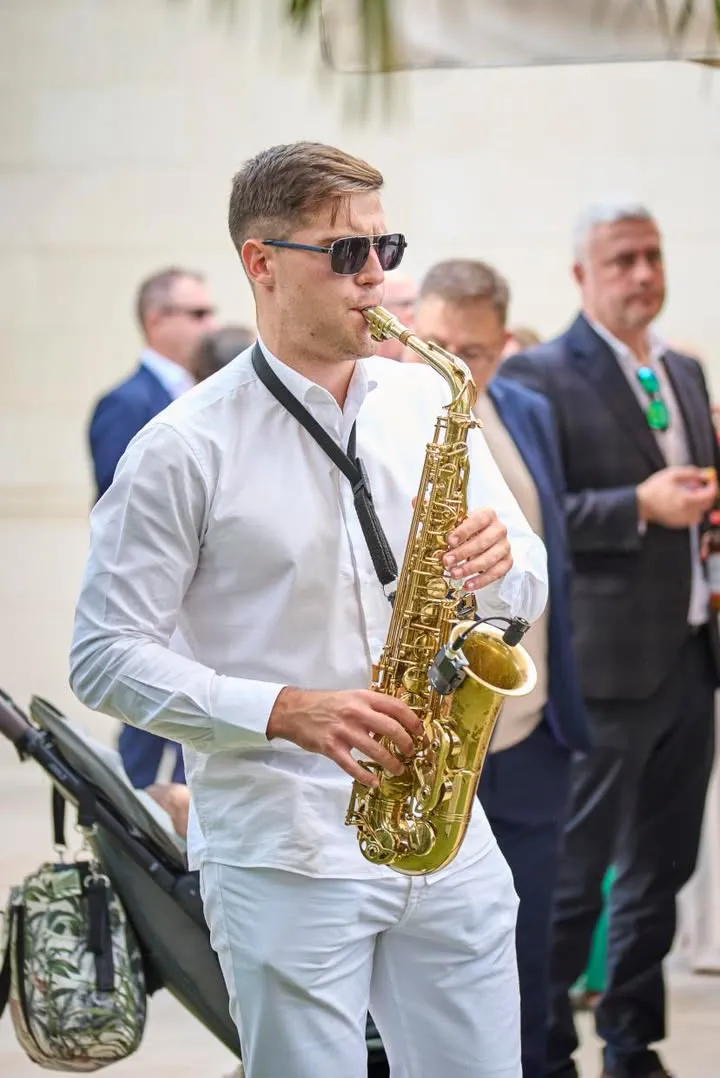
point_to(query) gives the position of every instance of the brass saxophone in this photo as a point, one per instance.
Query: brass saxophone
(452, 669)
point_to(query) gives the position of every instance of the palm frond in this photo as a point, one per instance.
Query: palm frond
(684, 17)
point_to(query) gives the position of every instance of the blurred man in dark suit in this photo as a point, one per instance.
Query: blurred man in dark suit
(173, 309)
(638, 449)
(524, 786)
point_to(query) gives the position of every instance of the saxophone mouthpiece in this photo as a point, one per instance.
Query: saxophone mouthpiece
(384, 325)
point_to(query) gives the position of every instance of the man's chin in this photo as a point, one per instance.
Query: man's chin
(370, 345)
(640, 315)
(365, 344)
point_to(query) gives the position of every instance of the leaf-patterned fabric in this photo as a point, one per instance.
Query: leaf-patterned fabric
(59, 951)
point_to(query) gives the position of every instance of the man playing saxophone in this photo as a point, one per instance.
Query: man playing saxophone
(228, 521)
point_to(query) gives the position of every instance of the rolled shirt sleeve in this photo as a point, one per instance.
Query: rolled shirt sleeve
(145, 539)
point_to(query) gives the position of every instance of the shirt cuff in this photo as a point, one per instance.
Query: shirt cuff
(523, 592)
(241, 711)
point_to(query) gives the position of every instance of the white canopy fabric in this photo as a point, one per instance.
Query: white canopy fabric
(512, 33)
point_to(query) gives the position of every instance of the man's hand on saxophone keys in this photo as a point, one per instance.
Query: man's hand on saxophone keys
(334, 723)
(479, 550)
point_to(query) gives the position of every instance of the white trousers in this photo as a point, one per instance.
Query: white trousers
(433, 958)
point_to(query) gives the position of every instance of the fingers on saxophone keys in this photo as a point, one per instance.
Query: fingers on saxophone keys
(382, 726)
(476, 521)
(482, 542)
(389, 708)
(355, 769)
(496, 572)
(488, 560)
(377, 752)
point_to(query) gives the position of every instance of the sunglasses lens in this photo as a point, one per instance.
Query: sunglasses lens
(391, 249)
(648, 379)
(657, 415)
(350, 255)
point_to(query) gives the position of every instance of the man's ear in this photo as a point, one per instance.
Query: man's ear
(258, 262)
(578, 272)
(152, 317)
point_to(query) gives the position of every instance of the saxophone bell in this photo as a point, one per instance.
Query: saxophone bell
(450, 666)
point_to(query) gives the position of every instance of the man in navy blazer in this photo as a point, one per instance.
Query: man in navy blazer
(524, 786)
(173, 310)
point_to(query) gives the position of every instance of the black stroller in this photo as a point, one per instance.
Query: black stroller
(147, 866)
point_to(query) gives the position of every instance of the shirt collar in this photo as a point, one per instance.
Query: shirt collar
(656, 346)
(174, 378)
(315, 396)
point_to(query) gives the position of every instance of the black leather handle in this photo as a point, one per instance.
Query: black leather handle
(13, 723)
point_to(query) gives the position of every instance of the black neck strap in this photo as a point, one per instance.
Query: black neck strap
(349, 464)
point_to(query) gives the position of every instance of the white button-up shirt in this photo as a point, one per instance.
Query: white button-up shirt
(227, 522)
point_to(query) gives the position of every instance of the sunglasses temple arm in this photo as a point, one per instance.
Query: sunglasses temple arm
(296, 246)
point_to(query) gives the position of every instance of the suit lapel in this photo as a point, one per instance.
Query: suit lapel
(596, 362)
(693, 407)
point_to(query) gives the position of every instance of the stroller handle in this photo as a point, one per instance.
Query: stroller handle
(13, 723)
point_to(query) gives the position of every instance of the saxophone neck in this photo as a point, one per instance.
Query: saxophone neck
(453, 369)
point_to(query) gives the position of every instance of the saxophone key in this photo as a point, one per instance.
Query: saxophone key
(427, 614)
(436, 587)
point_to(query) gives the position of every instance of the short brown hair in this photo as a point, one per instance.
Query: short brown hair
(461, 279)
(276, 190)
(154, 292)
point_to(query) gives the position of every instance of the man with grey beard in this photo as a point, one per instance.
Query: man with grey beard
(640, 458)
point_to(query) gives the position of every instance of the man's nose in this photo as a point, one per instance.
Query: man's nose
(372, 272)
(644, 269)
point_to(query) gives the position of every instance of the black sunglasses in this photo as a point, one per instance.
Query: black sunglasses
(349, 255)
(657, 414)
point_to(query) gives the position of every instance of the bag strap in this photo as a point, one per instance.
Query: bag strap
(85, 819)
(349, 464)
(58, 819)
(5, 970)
(99, 938)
